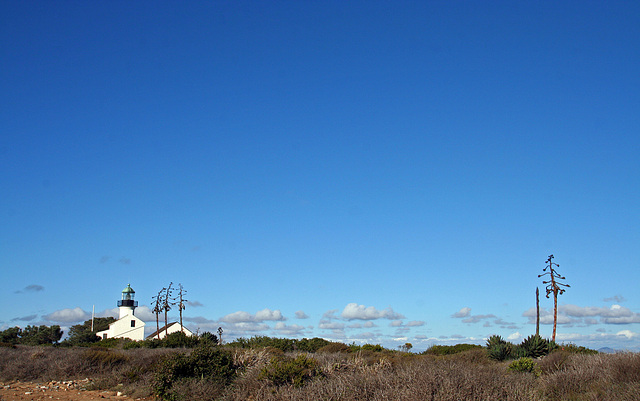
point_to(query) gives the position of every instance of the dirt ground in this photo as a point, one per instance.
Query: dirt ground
(57, 390)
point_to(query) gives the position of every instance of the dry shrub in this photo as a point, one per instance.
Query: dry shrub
(38, 363)
(625, 368)
(358, 376)
(554, 362)
(472, 356)
(104, 358)
(247, 358)
(413, 379)
(597, 377)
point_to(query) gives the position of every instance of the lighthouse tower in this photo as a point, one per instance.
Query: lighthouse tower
(127, 305)
(127, 325)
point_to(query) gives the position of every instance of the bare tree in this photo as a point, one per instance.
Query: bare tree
(405, 347)
(181, 303)
(553, 287)
(167, 303)
(157, 309)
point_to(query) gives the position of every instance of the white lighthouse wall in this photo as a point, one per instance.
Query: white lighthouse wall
(125, 310)
(127, 327)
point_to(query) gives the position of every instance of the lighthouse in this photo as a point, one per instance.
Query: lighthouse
(127, 325)
(127, 305)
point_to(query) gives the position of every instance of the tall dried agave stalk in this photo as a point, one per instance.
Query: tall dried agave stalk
(181, 303)
(157, 309)
(553, 286)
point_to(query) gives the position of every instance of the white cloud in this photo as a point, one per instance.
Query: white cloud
(464, 312)
(396, 323)
(627, 333)
(354, 311)
(289, 330)
(248, 326)
(514, 337)
(237, 317)
(24, 318)
(260, 316)
(68, 316)
(301, 315)
(268, 314)
(328, 325)
(30, 288)
(198, 320)
(477, 318)
(415, 323)
(622, 340)
(571, 314)
(622, 320)
(145, 313)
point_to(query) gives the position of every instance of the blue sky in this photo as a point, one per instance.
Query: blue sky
(381, 172)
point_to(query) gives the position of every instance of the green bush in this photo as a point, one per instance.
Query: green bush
(533, 346)
(284, 344)
(110, 342)
(209, 337)
(180, 340)
(450, 349)
(132, 345)
(524, 365)
(313, 344)
(575, 349)
(204, 363)
(333, 348)
(366, 347)
(498, 349)
(287, 371)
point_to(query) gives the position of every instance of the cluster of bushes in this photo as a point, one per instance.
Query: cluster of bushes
(533, 346)
(31, 335)
(284, 344)
(450, 349)
(312, 345)
(207, 366)
(173, 340)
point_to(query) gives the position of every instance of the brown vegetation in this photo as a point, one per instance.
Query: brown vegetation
(271, 375)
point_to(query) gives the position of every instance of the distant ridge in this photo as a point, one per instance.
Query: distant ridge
(607, 350)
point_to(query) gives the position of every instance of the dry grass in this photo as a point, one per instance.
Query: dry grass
(130, 371)
(360, 376)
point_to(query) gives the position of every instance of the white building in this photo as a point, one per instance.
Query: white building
(168, 329)
(128, 325)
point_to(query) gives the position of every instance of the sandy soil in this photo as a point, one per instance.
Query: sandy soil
(57, 390)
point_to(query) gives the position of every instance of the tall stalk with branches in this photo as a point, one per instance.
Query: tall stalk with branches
(181, 303)
(553, 287)
(158, 304)
(167, 303)
(537, 312)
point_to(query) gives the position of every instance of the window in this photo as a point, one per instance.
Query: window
(133, 323)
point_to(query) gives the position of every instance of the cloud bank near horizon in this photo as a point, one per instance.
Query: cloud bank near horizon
(362, 323)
